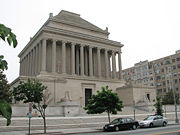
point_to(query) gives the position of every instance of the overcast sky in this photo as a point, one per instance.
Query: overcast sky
(149, 29)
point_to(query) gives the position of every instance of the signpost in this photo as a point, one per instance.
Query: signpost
(30, 116)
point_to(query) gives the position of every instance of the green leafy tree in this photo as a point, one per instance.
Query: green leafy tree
(158, 106)
(33, 92)
(169, 98)
(5, 107)
(5, 98)
(104, 101)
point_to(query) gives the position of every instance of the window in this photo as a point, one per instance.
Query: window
(167, 62)
(164, 83)
(178, 59)
(175, 81)
(178, 73)
(178, 66)
(164, 89)
(174, 74)
(174, 67)
(173, 60)
(162, 70)
(148, 96)
(163, 77)
(158, 71)
(158, 77)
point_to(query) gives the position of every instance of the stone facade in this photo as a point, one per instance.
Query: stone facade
(69, 54)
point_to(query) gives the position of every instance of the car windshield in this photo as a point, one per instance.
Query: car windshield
(115, 121)
(149, 118)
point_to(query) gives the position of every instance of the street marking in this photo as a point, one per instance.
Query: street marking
(162, 133)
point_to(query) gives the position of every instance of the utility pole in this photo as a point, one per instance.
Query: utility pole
(174, 96)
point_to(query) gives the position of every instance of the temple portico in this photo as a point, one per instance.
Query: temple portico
(66, 57)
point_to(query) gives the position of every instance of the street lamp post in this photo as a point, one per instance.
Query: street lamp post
(175, 105)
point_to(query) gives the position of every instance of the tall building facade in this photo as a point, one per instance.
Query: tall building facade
(163, 73)
(73, 57)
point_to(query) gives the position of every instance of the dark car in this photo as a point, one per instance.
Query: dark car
(120, 124)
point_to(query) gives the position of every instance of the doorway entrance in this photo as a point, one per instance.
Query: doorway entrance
(88, 94)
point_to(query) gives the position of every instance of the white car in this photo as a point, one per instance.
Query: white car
(153, 121)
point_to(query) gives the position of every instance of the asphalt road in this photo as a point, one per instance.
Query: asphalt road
(169, 130)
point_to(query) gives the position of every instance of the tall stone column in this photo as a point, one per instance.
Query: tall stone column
(39, 57)
(43, 66)
(20, 67)
(63, 57)
(113, 64)
(72, 58)
(120, 65)
(90, 62)
(30, 63)
(107, 63)
(36, 64)
(54, 56)
(26, 64)
(33, 61)
(99, 61)
(77, 59)
(82, 59)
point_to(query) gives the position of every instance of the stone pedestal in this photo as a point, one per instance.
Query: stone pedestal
(69, 108)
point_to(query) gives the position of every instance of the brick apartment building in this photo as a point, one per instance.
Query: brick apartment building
(163, 74)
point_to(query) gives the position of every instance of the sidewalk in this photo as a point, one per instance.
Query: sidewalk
(62, 131)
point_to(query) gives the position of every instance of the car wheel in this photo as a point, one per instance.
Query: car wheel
(150, 125)
(117, 128)
(164, 124)
(134, 127)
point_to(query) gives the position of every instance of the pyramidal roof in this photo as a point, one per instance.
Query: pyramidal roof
(75, 20)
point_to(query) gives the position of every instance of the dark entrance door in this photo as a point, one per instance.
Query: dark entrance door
(88, 94)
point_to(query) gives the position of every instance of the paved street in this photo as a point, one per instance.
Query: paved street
(169, 130)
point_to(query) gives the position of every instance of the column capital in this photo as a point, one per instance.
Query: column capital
(73, 43)
(63, 41)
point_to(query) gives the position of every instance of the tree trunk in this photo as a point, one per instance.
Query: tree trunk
(108, 116)
(44, 118)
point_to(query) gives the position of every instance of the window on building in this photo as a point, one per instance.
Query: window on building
(163, 77)
(178, 59)
(178, 73)
(167, 62)
(157, 71)
(174, 67)
(173, 60)
(178, 66)
(174, 74)
(158, 77)
(175, 81)
(159, 90)
(162, 70)
(164, 89)
(164, 83)
(148, 97)
(158, 84)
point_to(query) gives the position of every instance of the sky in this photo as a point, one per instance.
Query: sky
(148, 29)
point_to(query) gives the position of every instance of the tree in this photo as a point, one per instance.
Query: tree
(104, 101)
(5, 107)
(33, 92)
(6, 35)
(158, 106)
(169, 98)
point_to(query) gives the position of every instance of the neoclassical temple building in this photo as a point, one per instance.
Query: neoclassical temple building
(73, 57)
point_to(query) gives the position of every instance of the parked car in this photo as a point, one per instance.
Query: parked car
(121, 123)
(153, 120)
